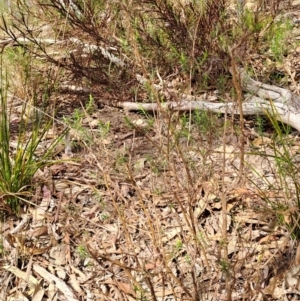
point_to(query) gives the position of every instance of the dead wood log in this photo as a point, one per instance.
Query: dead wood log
(260, 98)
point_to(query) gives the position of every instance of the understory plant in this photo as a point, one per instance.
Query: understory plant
(280, 152)
(288, 173)
(19, 160)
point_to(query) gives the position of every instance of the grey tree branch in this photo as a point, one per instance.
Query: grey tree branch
(86, 48)
(259, 99)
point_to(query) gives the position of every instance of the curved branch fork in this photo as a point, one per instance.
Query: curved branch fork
(259, 99)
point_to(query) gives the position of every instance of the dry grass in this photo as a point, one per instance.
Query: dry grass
(160, 206)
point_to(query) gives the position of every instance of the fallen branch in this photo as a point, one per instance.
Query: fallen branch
(252, 105)
(260, 99)
(86, 48)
